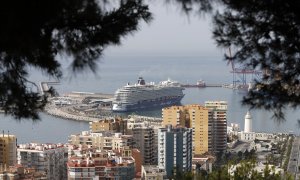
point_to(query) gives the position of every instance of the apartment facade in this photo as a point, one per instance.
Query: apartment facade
(18, 172)
(175, 149)
(175, 115)
(8, 150)
(191, 116)
(115, 125)
(144, 140)
(95, 164)
(102, 140)
(48, 158)
(153, 172)
(217, 125)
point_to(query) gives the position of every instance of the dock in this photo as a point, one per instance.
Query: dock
(214, 85)
(200, 85)
(75, 94)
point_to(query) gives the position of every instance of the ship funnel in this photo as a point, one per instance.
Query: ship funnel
(141, 81)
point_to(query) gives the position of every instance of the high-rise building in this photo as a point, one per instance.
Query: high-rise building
(144, 140)
(48, 158)
(175, 149)
(174, 115)
(217, 125)
(191, 116)
(144, 131)
(8, 150)
(198, 121)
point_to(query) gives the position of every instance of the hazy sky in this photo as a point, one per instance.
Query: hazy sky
(171, 33)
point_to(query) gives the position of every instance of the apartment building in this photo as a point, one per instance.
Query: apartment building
(153, 172)
(18, 172)
(191, 116)
(48, 158)
(115, 125)
(8, 150)
(209, 124)
(217, 125)
(96, 164)
(144, 140)
(175, 149)
(104, 140)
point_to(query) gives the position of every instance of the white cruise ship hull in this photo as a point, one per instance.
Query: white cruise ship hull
(122, 107)
(143, 96)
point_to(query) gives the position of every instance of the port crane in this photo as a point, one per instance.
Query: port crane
(239, 74)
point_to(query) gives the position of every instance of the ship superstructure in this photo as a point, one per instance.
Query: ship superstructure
(147, 95)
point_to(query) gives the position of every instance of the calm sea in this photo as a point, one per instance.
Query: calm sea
(115, 72)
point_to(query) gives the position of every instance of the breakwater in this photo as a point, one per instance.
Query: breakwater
(59, 112)
(66, 113)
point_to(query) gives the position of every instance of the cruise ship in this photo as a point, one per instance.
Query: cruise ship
(147, 95)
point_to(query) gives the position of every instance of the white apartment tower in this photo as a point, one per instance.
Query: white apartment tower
(248, 123)
(175, 149)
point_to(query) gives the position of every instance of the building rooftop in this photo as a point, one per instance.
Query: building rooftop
(92, 162)
(80, 162)
(40, 147)
(25, 173)
(7, 135)
(101, 134)
(90, 157)
(153, 169)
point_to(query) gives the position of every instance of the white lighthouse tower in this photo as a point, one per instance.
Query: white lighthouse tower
(248, 123)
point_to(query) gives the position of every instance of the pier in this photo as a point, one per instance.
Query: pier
(200, 85)
(214, 85)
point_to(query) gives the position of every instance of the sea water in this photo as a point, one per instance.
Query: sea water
(115, 71)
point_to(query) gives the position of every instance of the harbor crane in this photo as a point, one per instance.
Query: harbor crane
(239, 75)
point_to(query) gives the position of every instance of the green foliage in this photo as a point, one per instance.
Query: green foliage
(221, 173)
(178, 174)
(34, 32)
(241, 171)
(201, 6)
(246, 170)
(265, 35)
(271, 159)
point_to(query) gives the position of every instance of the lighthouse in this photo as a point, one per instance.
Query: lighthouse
(248, 123)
